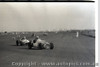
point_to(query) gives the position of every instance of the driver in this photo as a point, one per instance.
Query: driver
(24, 40)
(37, 41)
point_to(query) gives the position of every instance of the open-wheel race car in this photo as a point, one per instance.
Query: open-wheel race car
(40, 44)
(22, 41)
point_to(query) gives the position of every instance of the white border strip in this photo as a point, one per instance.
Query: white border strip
(96, 33)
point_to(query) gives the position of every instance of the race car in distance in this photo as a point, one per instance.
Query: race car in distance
(40, 44)
(22, 41)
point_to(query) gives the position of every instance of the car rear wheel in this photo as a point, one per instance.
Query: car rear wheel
(40, 46)
(17, 42)
(51, 45)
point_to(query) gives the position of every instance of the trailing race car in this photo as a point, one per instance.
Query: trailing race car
(41, 44)
(22, 41)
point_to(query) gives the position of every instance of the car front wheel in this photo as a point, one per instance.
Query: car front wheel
(51, 45)
(30, 45)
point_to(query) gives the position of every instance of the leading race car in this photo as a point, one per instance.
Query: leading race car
(22, 41)
(41, 44)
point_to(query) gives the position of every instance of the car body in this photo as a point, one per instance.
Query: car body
(22, 41)
(41, 44)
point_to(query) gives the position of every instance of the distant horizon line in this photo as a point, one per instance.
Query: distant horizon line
(48, 30)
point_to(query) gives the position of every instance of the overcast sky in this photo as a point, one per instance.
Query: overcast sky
(46, 16)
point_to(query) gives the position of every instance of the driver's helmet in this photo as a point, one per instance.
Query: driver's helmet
(23, 38)
(37, 37)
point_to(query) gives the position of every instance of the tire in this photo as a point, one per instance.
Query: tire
(17, 42)
(51, 45)
(40, 46)
(20, 44)
(29, 46)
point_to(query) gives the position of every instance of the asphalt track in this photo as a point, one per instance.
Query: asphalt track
(68, 49)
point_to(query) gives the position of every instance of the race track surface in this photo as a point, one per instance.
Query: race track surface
(68, 49)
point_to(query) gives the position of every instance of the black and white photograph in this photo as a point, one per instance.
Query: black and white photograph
(47, 34)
